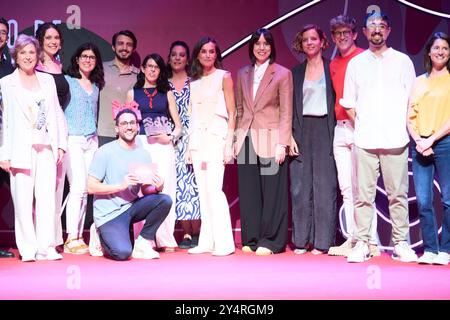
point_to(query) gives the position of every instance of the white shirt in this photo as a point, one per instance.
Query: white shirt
(258, 75)
(378, 89)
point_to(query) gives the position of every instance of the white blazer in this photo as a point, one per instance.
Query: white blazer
(17, 124)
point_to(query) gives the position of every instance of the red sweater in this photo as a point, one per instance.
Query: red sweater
(338, 66)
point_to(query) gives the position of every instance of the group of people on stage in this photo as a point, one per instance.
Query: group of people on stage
(151, 144)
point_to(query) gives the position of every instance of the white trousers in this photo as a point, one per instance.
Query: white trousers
(34, 190)
(60, 182)
(344, 155)
(79, 157)
(216, 233)
(164, 156)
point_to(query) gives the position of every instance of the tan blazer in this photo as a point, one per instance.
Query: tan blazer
(269, 115)
(17, 122)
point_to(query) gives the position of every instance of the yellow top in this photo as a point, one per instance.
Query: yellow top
(430, 100)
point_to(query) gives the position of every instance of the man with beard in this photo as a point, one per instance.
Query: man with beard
(376, 90)
(5, 69)
(120, 76)
(344, 34)
(116, 188)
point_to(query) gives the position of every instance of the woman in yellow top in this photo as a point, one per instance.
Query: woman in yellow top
(429, 126)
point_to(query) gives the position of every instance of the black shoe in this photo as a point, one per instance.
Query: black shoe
(194, 241)
(185, 244)
(6, 254)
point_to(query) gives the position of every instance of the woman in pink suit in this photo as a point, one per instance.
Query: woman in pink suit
(35, 139)
(264, 127)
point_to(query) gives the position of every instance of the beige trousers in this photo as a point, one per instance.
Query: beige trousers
(394, 168)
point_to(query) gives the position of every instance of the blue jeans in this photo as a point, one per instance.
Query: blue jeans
(115, 234)
(424, 169)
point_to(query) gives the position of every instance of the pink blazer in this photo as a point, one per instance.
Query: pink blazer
(269, 115)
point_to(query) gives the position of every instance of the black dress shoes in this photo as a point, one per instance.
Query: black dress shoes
(6, 254)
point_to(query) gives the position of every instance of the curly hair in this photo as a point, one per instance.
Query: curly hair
(297, 43)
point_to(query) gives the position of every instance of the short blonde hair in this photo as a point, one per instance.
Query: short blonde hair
(22, 41)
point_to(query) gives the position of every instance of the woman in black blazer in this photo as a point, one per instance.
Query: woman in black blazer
(312, 170)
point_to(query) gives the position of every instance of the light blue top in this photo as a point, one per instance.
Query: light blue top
(81, 113)
(110, 165)
(315, 97)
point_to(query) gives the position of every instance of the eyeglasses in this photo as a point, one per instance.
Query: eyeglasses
(3, 33)
(85, 57)
(380, 26)
(344, 33)
(127, 123)
(152, 67)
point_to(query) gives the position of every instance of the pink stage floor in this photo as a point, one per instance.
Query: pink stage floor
(180, 276)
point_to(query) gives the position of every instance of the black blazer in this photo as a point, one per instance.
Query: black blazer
(298, 74)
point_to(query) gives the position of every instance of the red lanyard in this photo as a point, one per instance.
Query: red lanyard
(150, 97)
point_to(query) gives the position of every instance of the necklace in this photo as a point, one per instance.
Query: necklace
(150, 97)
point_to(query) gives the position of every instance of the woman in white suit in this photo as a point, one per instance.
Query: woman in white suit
(34, 142)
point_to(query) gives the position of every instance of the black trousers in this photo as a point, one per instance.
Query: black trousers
(263, 200)
(313, 187)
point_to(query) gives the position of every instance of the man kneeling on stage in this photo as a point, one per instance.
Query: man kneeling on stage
(116, 185)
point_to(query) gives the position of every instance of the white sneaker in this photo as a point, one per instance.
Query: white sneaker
(198, 250)
(342, 250)
(49, 254)
(143, 249)
(95, 246)
(359, 253)
(442, 258)
(220, 253)
(402, 252)
(29, 258)
(427, 258)
(52, 254)
(300, 251)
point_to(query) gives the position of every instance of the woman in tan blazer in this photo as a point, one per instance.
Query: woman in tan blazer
(264, 123)
(35, 139)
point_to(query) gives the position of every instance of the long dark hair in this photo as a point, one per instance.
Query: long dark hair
(426, 58)
(174, 44)
(254, 39)
(196, 67)
(40, 34)
(97, 75)
(162, 83)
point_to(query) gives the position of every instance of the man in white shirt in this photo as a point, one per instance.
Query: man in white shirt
(376, 89)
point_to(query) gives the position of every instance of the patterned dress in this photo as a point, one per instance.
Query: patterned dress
(187, 203)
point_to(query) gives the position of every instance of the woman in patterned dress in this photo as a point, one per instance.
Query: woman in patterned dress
(187, 205)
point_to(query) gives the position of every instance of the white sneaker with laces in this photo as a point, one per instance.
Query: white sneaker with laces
(402, 252)
(143, 249)
(427, 258)
(442, 258)
(359, 253)
(95, 246)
